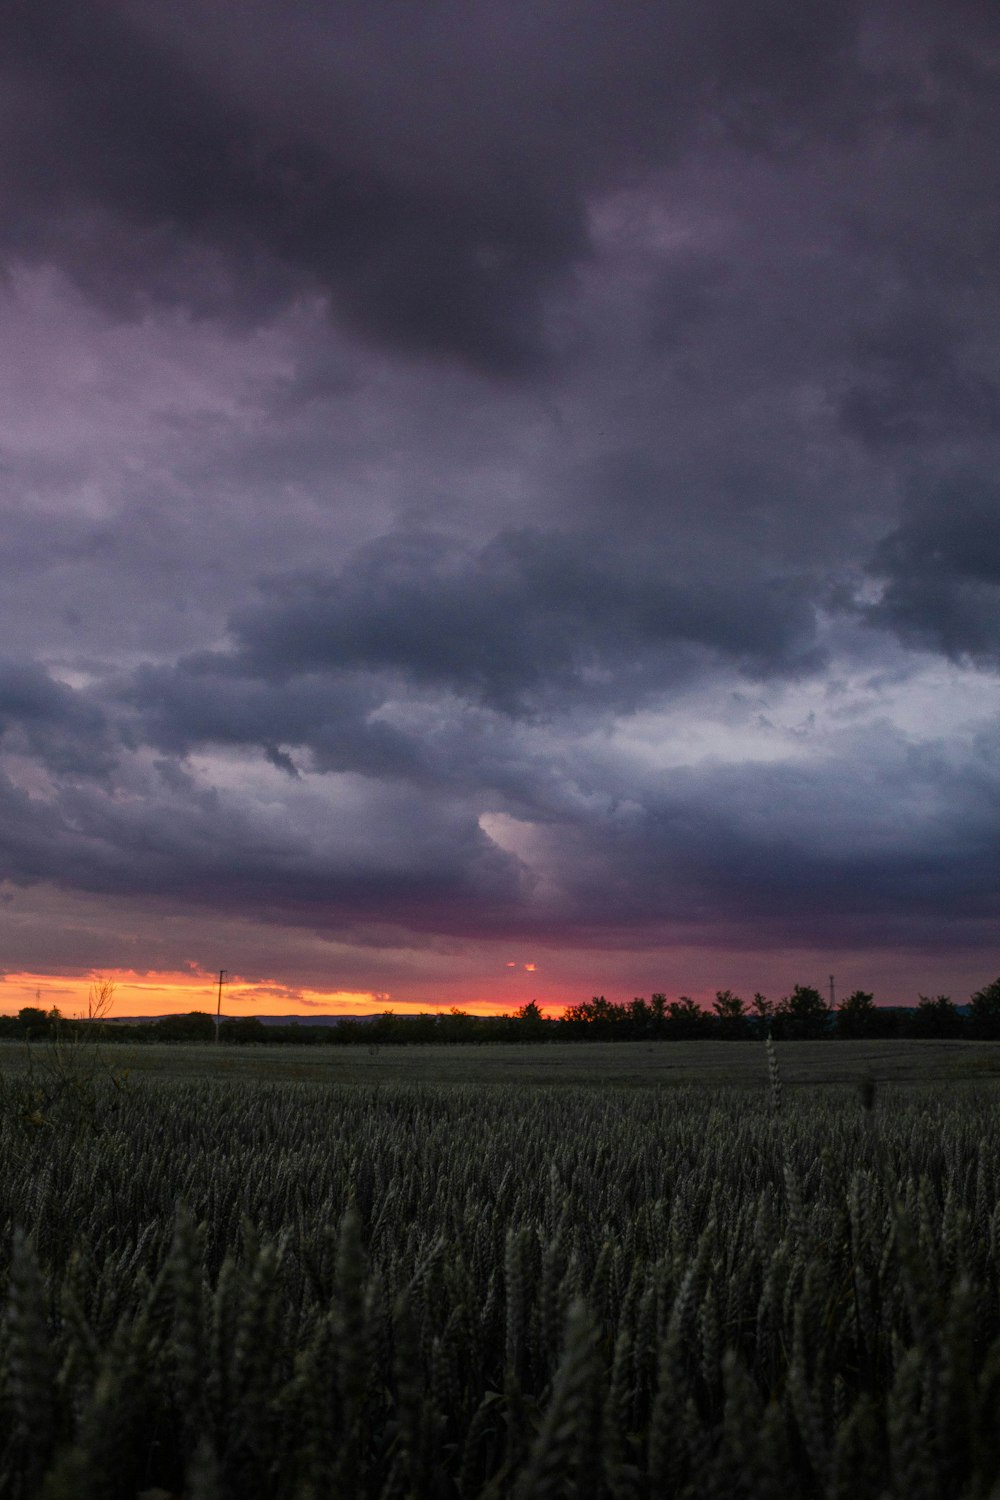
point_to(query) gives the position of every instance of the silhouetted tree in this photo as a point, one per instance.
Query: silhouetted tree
(686, 1019)
(935, 1016)
(242, 1029)
(855, 1014)
(639, 1019)
(802, 1014)
(100, 998)
(762, 1009)
(597, 1019)
(196, 1026)
(984, 1012)
(731, 1011)
(531, 1023)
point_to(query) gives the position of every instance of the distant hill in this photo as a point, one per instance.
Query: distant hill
(326, 1019)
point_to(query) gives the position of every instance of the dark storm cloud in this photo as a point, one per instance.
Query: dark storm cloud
(940, 572)
(428, 166)
(806, 855)
(508, 675)
(119, 124)
(207, 700)
(528, 616)
(915, 386)
(47, 720)
(751, 855)
(683, 299)
(383, 856)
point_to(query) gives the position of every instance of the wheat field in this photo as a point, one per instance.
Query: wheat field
(234, 1288)
(653, 1064)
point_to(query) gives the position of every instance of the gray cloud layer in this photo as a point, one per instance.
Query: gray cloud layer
(941, 572)
(528, 614)
(429, 167)
(474, 470)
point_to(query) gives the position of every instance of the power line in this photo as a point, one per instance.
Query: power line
(218, 1008)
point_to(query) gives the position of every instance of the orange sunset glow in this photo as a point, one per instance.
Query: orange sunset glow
(158, 994)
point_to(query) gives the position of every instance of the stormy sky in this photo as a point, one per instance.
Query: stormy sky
(489, 483)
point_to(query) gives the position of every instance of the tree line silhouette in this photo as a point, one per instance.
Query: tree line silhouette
(804, 1014)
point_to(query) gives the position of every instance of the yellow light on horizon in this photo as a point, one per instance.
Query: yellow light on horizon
(150, 994)
(155, 993)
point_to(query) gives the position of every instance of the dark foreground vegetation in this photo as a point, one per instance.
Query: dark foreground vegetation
(802, 1015)
(274, 1290)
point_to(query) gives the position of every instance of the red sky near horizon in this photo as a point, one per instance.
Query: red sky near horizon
(149, 993)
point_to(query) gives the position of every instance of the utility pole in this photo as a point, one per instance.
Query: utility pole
(833, 995)
(218, 1008)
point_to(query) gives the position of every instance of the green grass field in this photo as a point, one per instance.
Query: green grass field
(621, 1064)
